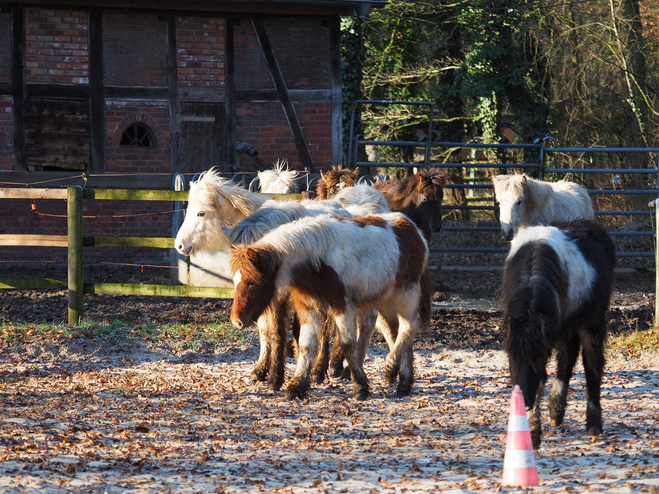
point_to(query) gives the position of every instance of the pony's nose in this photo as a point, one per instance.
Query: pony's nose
(507, 234)
(237, 323)
(182, 249)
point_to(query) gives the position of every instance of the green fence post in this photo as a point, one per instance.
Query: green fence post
(74, 226)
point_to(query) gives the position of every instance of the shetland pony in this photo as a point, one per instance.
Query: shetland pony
(362, 200)
(524, 201)
(335, 179)
(419, 197)
(279, 180)
(556, 288)
(348, 265)
(213, 202)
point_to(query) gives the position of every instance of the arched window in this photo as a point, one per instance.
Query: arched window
(138, 134)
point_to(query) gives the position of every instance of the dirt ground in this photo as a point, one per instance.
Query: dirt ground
(157, 415)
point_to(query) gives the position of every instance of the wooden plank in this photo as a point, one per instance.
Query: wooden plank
(153, 242)
(200, 95)
(98, 131)
(35, 240)
(150, 93)
(7, 193)
(135, 195)
(282, 89)
(122, 181)
(158, 290)
(18, 86)
(32, 283)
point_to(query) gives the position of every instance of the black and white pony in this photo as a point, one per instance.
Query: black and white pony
(556, 288)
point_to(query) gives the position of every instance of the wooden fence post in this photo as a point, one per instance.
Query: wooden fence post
(74, 227)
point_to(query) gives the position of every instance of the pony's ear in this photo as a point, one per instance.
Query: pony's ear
(321, 174)
(439, 179)
(419, 179)
(356, 172)
(524, 179)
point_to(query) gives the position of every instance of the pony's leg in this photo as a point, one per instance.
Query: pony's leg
(407, 306)
(365, 328)
(322, 362)
(311, 323)
(387, 324)
(347, 334)
(336, 360)
(593, 363)
(532, 384)
(567, 352)
(291, 345)
(260, 370)
(277, 333)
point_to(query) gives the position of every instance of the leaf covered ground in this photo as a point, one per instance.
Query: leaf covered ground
(150, 412)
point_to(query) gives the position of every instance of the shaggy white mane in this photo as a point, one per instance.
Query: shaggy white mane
(280, 180)
(362, 200)
(210, 187)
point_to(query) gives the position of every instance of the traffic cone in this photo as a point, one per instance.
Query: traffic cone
(519, 463)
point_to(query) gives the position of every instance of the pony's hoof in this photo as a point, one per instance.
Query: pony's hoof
(275, 385)
(295, 392)
(556, 421)
(595, 430)
(317, 378)
(346, 374)
(361, 394)
(258, 375)
(403, 389)
(390, 373)
(337, 372)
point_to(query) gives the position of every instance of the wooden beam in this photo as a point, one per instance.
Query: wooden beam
(137, 93)
(152, 242)
(172, 84)
(5, 89)
(57, 91)
(135, 195)
(230, 105)
(35, 240)
(158, 290)
(97, 131)
(282, 89)
(18, 86)
(32, 283)
(336, 98)
(63, 178)
(32, 193)
(296, 95)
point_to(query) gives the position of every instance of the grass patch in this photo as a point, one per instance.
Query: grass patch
(187, 334)
(633, 343)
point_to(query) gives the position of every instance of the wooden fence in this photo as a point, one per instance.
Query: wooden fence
(75, 241)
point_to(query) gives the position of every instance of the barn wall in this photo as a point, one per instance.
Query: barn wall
(132, 159)
(70, 105)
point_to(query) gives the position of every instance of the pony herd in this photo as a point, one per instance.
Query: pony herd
(356, 260)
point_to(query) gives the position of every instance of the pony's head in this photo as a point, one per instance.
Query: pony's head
(279, 180)
(334, 180)
(509, 192)
(213, 202)
(254, 272)
(421, 200)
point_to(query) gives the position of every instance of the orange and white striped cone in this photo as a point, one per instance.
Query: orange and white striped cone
(519, 462)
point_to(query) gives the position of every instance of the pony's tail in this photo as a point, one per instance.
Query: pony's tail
(425, 303)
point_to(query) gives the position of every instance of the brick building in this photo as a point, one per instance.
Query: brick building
(130, 93)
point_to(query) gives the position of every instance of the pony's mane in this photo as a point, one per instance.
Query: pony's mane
(279, 180)
(210, 185)
(244, 258)
(361, 200)
(538, 192)
(333, 177)
(427, 180)
(307, 238)
(271, 215)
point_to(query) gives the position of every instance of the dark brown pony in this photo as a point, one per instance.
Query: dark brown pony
(335, 179)
(419, 197)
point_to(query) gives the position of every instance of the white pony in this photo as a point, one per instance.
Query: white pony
(214, 202)
(524, 202)
(279, 180)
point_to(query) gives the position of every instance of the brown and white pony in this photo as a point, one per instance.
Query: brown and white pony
(347, 266)
(334, 180)
(419, 197)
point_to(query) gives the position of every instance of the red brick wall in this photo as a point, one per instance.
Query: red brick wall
(135, 49)
(5, 47)
(251, 69)
(56, 48)
(200, 51)
(124, 159)
(6, 133)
